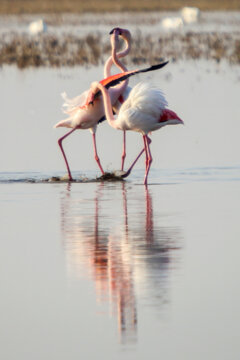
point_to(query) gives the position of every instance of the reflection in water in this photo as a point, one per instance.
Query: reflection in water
(115, 238)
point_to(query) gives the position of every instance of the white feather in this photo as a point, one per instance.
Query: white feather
(72, 104)
(141, 109)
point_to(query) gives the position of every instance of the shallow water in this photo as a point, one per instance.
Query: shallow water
(114, 268)
(117, 269)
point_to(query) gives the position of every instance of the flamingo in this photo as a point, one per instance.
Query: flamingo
(145, 110)
(126, 35)
(87, 116)
(77, 106)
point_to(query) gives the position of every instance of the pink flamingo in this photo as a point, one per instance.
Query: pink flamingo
(83, 116)
(143, 111)
(126, 36)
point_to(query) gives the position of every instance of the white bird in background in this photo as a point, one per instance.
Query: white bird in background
(190, 14)
(144, 111)
(37, 27)
(172, 23)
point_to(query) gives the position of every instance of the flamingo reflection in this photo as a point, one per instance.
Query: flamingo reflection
(108, 235)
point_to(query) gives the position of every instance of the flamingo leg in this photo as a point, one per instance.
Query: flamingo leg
(96, 154)
(146, 152)
(64, 156)
(127, 173)
(148, 157)
(124, 150)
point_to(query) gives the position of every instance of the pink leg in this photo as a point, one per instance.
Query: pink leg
(139, 155)
(146, 152)
(148, 157)
(96, 154)
(64, 156)
(124, 150)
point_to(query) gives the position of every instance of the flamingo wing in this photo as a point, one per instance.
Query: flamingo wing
(117, 78)
(70, 105)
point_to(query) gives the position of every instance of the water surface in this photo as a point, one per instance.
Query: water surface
(115, 269)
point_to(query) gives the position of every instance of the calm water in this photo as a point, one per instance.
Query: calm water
(115, 269)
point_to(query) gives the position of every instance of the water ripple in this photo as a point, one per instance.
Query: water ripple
(162, 176)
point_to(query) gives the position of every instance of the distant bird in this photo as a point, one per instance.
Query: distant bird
(145, 110)
(37, 27)
(172, 23)
(190, 14)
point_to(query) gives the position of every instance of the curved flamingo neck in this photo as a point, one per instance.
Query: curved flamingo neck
(107, 105)
(114, 58)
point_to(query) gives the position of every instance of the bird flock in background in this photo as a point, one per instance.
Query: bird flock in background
(142, 108)
(188, 15)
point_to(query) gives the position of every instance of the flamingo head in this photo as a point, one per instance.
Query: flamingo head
(124, 33)
(169, 117)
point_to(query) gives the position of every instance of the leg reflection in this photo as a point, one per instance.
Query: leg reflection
(112, 235)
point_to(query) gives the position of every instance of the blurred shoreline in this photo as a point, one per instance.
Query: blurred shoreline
(83, 39)
(77, 7)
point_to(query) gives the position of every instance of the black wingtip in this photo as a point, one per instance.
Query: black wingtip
(126, 76)
(158, 66)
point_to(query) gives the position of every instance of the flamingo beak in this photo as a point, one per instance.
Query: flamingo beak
(114, 30)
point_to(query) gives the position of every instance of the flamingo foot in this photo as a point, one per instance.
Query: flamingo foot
(67, 177)
(124, 174)
(110, 177)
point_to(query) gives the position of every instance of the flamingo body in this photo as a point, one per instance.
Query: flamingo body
(143, 111)
(85, 116)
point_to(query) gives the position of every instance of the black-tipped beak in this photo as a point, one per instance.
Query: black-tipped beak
(115, 29)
